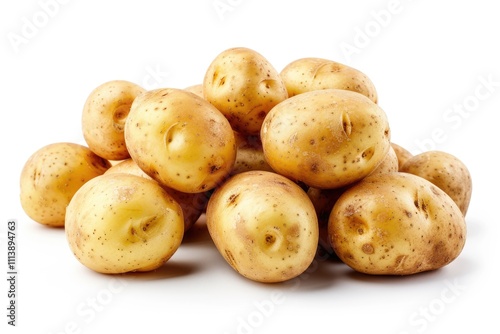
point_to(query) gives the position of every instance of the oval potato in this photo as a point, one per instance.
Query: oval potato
(264, 226)
(326, 138)
(307, 74)
(396, 224)
(118, 223)
(51, 176)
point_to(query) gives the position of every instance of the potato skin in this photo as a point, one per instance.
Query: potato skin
(445, 171)
(180, 140)
(51, 176)
(193, 204)
(396, 224)
(402, 153)
(244, 86)
(326, 138)
(118, 223)
(264, 226)
(249, 154)
(104, 115)
(307, 74)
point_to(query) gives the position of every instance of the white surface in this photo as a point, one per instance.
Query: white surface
(428, 60)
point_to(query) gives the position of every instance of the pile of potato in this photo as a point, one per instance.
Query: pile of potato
(284, 166)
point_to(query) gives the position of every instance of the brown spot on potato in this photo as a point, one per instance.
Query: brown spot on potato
(367, 248)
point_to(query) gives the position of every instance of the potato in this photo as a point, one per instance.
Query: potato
(51, 176)
(445, 171)
(402, 153)
(244, 86)
(396, 224)
(193, 204)
(264, 226)
(307, 74)
(249, 154)
(118, 223)
(104, 115)
(180, 140)
(326, 138)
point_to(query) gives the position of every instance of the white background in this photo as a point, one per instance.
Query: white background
(428, 60)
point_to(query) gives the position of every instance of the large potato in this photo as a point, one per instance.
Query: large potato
(120, 222)
(445, 171)
(180, 140)
(51, 176)
(104, 115)
(264, 226)
(396, 224)
(244, 86)
(193, 204)
(326, 138)
(307, 74)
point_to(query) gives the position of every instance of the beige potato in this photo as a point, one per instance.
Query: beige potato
(445, 171)
(326, 138)
(388, 164)
(180, 140)
(249, 154)
(118, 223)
(264, 226)
(307, 74)
(193, 204)
(104, 115)
(51, 176)
(244, 86)
(196, 89)
(402, 153)
(396, 224)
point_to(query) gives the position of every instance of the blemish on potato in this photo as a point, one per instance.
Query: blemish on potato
(367, 248)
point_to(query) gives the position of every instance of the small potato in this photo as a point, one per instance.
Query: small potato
(193, 204)
(118, 223)
(104, 115)
(326, 138)
(180, 140)
(264, 226)
(396, 224)
(51, 176)
(249, 154)
(244, 86)
(402, 153)
(445, 171)
(307, 74)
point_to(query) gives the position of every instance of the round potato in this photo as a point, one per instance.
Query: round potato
(244, 86)
(402, 153)
(396, 224)
(445, 171)
(196, 89)
(326, 138)
(104, 115)
(249, 154)
(264, 226)
(180, 140)
(193, 204)
(118, 223)
(307, 74)
(51, 176)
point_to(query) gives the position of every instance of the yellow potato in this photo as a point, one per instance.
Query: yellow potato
(196, 89)
(193, 204)
(326, 138)
(389, 164)
(51, 176)
(180, 140)
(118, 223)
(104, 115)
(402, 153)
(244, 86)
(445, 171)
(249, 154)
(396, 224)
(307, 74)
(264, 226)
